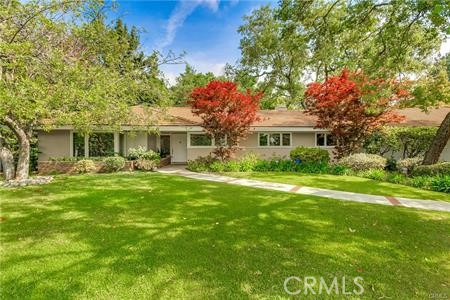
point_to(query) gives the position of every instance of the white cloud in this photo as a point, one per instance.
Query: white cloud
(179, 15)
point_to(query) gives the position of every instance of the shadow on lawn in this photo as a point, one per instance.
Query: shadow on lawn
(153, 236)
(346, 183)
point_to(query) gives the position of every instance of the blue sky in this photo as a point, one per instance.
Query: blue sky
(205, 29)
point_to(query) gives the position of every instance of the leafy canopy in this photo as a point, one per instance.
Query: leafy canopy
(352, 106)
(226, 113)
(300, 40)
(73, 70)
(186, 82)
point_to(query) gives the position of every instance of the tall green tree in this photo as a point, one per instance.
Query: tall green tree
(60, 70)
(153, 88)
(302, 40)
(273, 56)
(186, 82)
(432, 90)
(247, 80)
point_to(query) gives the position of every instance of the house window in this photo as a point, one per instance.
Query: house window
(221, 141)
(78, 144)
(122, 144)
(325, 140)
(199, 140)
(275, 139)
(101, 144)
(286, 139)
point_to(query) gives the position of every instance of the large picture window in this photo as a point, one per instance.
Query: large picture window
(78, 144)
(101, 144)
(275, 139)
(199, 140)
(325, 140)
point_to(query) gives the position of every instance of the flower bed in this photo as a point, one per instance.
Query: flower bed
(435, 177)
(69, 167)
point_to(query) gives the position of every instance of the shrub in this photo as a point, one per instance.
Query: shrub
(337, 169)
(145, 160)
(113, 163)
(135, 153)
(232, 166)
(64, 159)
(313, 168)
(201, 164)
(151, 155)
(248, 162)
(375, 174)
(216, 166)
(85, 166)
(408, 164)
(440, 184)
(442, 168)
(141, 152)
(145, 164)
(396, 178)
(382, 141)
(391, 164)
(363, 161)
(422, 182)
(275, 164)
(310, 155)
(410, 141)
(76, 158)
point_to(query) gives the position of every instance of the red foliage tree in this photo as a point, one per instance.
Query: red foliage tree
(352, 106)
(226, 113)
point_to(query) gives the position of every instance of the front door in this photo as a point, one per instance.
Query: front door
(178, 143)
(164, 145)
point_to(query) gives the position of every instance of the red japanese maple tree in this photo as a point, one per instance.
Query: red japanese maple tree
(226, 113)
(352, 106)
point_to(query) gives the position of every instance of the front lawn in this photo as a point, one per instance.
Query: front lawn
(344, 183)
(153, 236)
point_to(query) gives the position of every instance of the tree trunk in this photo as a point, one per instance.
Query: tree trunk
(23, 163)
(439, 142)
(7, 161)
(23, 137)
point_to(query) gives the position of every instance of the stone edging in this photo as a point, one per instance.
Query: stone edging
(29, 181)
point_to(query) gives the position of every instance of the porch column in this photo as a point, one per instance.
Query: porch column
(71, 143)
(116, 143)
(86, 145)
(158, 142)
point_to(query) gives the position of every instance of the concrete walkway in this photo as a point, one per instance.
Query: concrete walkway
(304, 190)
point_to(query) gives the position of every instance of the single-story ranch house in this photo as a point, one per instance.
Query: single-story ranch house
(180, 135)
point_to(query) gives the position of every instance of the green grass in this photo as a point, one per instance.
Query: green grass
(344, 183)
(154, 236)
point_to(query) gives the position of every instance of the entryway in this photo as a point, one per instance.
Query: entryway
(178, 144)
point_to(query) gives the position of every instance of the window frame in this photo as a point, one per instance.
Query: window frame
(98, 133)
(326, 140)
(281, 139)
(72, 146)
(116, 142)
(213, 142)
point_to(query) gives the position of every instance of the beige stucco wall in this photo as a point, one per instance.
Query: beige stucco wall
(446, 153)
(151, 142)
(55, 143)
(445, 156)
(250, 144)
(135, 139)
